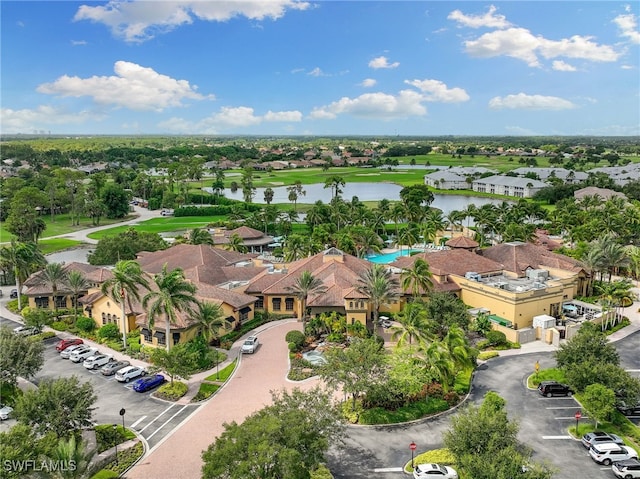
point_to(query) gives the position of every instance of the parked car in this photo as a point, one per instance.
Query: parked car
(422, 471)
(113, 367)
(148, 383)
(13, 294)
(629, 410)
(130, 372)
(608, 453)
(82, 354)
(26, 330)
(97, 360)
(67, 352)
(599, 437)
(629, 469)
(5, 412)
(250, 345)
(553, 388)
(65, 343)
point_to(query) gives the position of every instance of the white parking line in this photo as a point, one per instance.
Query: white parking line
(156, 418)
(556, 397)
(138, 422)
(166, 422)
(572, 417)
(557, 437)
(563, 407)
(388, 469)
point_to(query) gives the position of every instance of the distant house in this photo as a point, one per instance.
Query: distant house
(603, 193)
(255, 241)
(446, 180)
(621, 175)
(568, 176)
(508, 186)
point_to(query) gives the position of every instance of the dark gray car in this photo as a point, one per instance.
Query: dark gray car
(113, 367)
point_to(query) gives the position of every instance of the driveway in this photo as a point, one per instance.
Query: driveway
(179, 455)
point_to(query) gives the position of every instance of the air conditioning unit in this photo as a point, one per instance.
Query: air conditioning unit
(470, 275)
(538, 274)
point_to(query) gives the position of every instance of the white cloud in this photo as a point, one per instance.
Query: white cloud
(317, 72)
(628, 25)
(561, 66)
(382, 62)
(288, 116)
(522, 101)
(435, 90)
(137, 21)
(628, 67)
(520, 43)
(489, 19)
(405, 104)
(78, 42)
(42, 117)
(134, 87)
(368, 83)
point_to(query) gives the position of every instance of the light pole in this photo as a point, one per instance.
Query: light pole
(115, 439)
(412, 446)
(122, 413)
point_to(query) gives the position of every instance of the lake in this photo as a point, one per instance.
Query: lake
(364, 192)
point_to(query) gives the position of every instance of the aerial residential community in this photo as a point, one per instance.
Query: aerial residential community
(284, 239)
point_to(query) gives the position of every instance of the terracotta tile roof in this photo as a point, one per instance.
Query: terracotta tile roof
(221, 295)
(462, 242)
(36, 284)
(517, 257)
(454, 261)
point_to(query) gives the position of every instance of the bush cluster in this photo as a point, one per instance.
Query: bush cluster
(172, 392)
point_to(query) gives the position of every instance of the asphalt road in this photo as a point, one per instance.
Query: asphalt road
(152, 418)
(382, 451)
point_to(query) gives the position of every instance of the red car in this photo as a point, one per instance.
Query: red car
(65, 343)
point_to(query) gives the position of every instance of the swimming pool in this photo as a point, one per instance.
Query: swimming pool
(390, 257)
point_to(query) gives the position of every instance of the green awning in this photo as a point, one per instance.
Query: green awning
(500, 321)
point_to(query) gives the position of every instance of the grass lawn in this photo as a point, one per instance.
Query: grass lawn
(160, 225)
(56, 244)
(224, 373)
(551, 374)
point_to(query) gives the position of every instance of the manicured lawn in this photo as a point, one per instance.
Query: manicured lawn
(56, 244)
(551, 374)
(416, 410)
(160, 225)
(224, 373)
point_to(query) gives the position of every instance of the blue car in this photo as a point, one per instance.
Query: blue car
(148, 383)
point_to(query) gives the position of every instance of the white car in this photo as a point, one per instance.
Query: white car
(130, 372)
(98, 360)
(67, 352)
(5, 412)
(250, 345)
(81, 355)
(609, 452)
(422, 471)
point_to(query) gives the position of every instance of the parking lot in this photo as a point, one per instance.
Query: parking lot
(152, 418)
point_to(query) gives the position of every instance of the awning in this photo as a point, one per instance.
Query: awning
(159, 334)
(500, 321)
(569, 307)
(145, 331)
(230, 319)
(245, 310)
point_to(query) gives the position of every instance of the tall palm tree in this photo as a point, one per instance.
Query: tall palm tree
(379, 285)
(54, 275)
(417, 278)
(172, 293)
(124, 285)
(22, 259)
(236, 243)
(439, 363)
(71, 451)
(305, 285)
(199, 236)
(76, 283)
(210, 318)
(412, 325)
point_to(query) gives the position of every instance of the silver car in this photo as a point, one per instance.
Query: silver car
(67, 352)
(113, 367)
(5, 412)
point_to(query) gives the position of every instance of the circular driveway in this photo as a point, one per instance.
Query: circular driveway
(179, 455)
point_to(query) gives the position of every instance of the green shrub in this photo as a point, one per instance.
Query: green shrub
(109, 331)
(85, 324)
(105, 474)
(59, 325)
(172, 392)
(485, 355)
(436, 456)
(321, 472)
(296, 338)
(205, 391)
(42, 336)
(115, 345)
(134, 347)
(496, 338)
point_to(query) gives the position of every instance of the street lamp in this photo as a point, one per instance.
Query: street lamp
(412, 446)
(115, 439)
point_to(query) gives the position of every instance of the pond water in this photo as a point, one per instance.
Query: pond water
(364, 192)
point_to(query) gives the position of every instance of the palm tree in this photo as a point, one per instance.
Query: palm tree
(335, 182)
(439, 364)
(53, 276)
(417, 278)
(172, 293)
(22, 259)
(236, 243)
(124, 285)
(76, 283)
(210, 318)
(71, 451)
(305, 285)
(199, 236)
(379, 285)
(456, 344)
(413, 325)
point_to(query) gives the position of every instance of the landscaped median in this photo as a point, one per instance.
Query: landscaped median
(213, 382)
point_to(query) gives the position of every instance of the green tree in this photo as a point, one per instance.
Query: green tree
(379, 285)
(177, 362)
(54, 275)
(236, 243)
(412, 325)
(23, 220)
(200, 236)
(19, 443)
(210, 318)
(62, 406)
(445, 310)
(334, 182)
(599, 401)
(20, 357)
(589, 345)
(287, 439)
(171, 293)
(124, 285)
(305, 285)
(73, 454)
(21, 259)
(115, 200)
(125, 246)
(268, 195)
(417, 279)
(76, 283)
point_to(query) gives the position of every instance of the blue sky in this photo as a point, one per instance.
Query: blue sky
(285, 67)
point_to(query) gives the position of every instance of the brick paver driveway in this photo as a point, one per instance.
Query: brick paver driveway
(179, 456)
